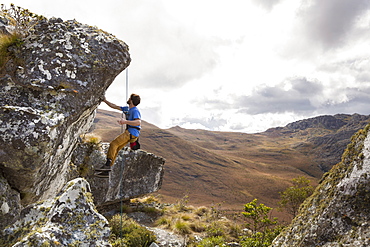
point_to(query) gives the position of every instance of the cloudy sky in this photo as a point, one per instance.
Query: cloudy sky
(236, 65)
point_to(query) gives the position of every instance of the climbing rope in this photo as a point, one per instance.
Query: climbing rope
(120, 193)
(123, 164)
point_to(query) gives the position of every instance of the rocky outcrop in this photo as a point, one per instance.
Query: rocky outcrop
(49, 89)
(50, 85)
(135, 173)
(70, 219)
(338, 213)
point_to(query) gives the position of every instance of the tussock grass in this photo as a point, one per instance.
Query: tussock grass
(6, 40)
(91, 138)
(199, 226)
(132, 233)
(202, 221)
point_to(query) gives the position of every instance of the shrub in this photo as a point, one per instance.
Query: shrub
(257, 216)
(22, 20)
(263, 229)
(216, 228)
(294, 196)
(89, 138)
(132, 233)
(260, 239)
(19, 21)
(212, 241)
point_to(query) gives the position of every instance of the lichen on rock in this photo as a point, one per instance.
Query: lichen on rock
(68, 218)
(49, 91)
(338, 212)
(9, 203)
(134, 174)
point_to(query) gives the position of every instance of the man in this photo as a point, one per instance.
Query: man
(131, 134)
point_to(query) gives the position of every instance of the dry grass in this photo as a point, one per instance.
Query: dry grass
(223, 167)
(201, 221)
(6, 40)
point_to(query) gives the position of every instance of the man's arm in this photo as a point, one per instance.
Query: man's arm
(111, 105)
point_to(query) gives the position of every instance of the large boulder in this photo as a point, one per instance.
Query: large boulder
(69, 219)
(49, 89)
(50, 85)
(134, 173)
(338, 212)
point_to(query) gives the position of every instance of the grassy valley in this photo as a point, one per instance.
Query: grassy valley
(232, 168)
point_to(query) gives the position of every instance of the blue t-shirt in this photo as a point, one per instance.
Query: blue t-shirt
(132, 114)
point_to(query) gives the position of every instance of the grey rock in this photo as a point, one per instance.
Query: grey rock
(10, 203)
(49, 90)
(135, 173)
(338, 212)
(70, 219)
(166, 238)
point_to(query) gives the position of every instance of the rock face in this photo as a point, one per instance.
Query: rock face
(50, 86)
(70, 219)
(135, 173)
(10, 203)
(338, 213)
(49, 90)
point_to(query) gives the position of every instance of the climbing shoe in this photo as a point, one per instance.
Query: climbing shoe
(105, 167)
(103, 174)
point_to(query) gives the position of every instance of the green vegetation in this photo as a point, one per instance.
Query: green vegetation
(20, 21)
(133, 235)
(294, 196)
(90, 138)
(263, 228)
(7, 40)
(204, 226)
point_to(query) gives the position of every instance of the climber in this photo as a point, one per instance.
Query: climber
(131, 134)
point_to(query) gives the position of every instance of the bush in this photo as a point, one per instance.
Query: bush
(216, 228)
(294, 196)
(133, 235)
(263, 229)
(21, 19)
(212, 241)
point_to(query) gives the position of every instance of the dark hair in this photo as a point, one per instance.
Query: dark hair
(135, 99)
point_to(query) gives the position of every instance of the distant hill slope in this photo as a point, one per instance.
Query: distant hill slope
(234, 168)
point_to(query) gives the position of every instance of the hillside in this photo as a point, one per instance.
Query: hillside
(234, 168)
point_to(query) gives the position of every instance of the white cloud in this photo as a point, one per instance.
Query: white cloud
(234, 65)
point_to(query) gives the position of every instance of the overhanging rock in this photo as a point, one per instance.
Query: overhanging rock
(49, 90)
